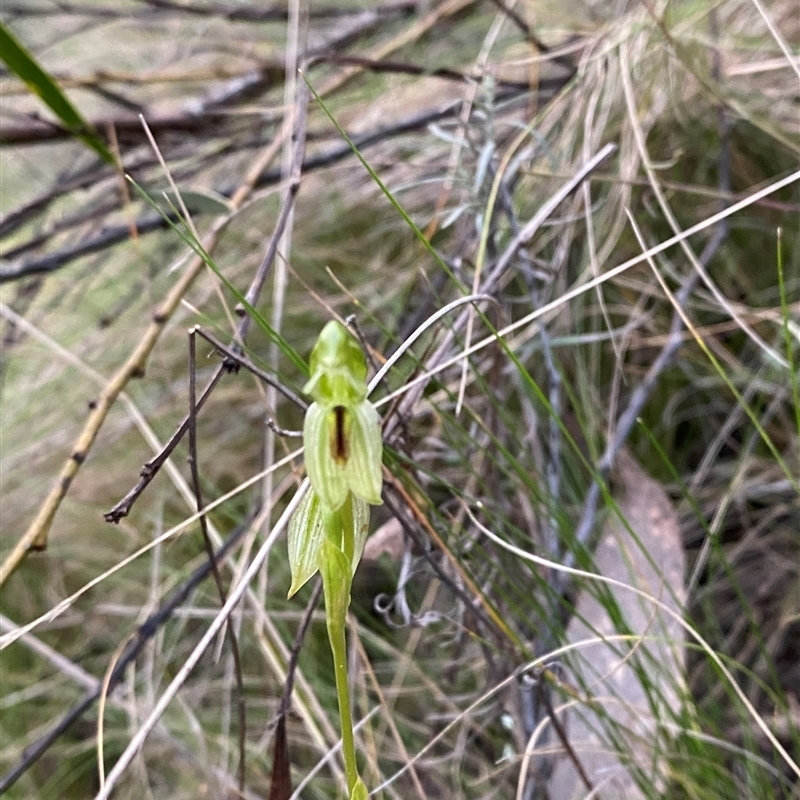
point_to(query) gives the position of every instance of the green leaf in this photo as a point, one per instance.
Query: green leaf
(310, 525)
(382, 186)
(336, 581)
(25, 67)
(360, 530)
(359, 791)
(305, 537)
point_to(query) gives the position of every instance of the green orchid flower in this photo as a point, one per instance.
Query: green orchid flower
(343, 451)
(342, 433)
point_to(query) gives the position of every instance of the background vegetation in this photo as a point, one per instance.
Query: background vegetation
(663, 393)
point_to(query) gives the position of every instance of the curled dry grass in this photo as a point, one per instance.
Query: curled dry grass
(702, 105)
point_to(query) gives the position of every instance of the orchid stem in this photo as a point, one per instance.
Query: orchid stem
(340, 529)
(336, 635)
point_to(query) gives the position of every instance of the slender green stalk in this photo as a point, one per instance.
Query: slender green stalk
(336, 581)
(336, 635)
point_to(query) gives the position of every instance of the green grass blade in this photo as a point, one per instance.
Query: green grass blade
(189, 238)
(385, 189)
(787, 334)
(24, 66)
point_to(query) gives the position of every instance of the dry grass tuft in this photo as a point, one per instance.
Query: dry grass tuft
(687, 357)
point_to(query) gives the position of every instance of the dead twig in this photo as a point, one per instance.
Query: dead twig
(209, 548)
(148, 223)
(233, 359)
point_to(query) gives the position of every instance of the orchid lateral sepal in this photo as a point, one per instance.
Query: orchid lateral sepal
(310, 525)
(343, 452)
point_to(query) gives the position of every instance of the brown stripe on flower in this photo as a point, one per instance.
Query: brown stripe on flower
(338, 437)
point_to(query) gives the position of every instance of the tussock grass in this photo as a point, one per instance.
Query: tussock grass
(701, 103)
